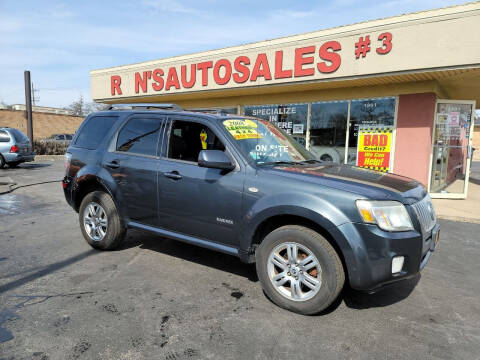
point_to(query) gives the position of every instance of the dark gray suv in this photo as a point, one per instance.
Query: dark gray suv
(244, 187)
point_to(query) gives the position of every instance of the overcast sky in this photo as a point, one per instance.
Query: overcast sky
(61, 41)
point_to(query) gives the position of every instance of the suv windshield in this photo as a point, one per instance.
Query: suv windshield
(265, 143)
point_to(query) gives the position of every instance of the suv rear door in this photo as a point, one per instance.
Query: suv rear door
(196, 201)
(133, 162)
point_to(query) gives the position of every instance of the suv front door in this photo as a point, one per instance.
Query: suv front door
(196, 201)
(133, 163)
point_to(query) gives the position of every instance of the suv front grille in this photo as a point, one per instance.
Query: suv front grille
(425, 214)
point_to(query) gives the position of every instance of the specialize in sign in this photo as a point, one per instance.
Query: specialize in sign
(248, 69)
(374, 146)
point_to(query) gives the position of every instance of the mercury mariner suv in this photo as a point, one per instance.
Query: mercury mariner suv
(242, 186)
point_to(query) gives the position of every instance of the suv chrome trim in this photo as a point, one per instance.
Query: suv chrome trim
(425, 214)
(186, 238)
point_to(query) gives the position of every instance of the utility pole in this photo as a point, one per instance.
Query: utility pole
(28, 105)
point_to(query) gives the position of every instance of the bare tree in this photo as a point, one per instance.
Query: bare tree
(77, 107)
(81, 108)
(94, 106)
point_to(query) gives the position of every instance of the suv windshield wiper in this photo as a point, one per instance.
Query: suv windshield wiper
(279, 162)
(310, 161)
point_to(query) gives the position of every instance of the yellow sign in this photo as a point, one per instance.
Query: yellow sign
(242, 129)
(373, 150)
(203, 139)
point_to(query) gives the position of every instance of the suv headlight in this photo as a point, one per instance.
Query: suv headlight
(388, 215)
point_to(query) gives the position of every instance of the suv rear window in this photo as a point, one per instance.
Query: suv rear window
(19, 136)
(93, 132)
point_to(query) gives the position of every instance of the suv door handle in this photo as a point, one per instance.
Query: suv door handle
(173, 175)
(114, 164)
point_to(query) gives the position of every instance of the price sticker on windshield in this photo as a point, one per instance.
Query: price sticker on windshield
(242, 129)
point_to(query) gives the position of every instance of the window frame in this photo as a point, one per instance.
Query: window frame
(163, 123)
(205, 122)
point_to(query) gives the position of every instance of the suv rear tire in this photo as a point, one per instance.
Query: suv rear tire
(299, 269)
(100, 221)
(2, 161)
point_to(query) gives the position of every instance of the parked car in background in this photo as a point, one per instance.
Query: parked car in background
(15, 147)
(334, 154)
(60, 138)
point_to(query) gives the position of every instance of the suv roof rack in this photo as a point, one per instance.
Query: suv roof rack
(211, 111)
(145, 106)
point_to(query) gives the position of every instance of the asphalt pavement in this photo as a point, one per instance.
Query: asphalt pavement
(160, 299)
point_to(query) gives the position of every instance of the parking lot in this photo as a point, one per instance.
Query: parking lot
(160, 299)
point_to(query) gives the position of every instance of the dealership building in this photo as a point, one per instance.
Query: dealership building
(394, 95)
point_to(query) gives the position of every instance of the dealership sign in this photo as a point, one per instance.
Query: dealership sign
(307, 61)
(373, 48)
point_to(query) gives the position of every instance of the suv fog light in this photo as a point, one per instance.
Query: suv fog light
(397, 264)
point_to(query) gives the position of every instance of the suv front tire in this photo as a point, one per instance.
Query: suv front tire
(100, 221)
(299, 269)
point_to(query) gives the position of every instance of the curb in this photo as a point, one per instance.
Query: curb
(49, 157)
(459, 219)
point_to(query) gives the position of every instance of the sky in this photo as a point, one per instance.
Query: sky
(61, 41)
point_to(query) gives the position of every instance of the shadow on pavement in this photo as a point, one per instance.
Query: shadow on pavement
(196, 254)
(46, 270)
(384, 297)
(352, 298)
(29, 166)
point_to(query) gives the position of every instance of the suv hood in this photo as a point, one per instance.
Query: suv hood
(366, 183)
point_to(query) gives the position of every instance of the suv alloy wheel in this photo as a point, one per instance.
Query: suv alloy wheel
(299, 270)
(100, 222)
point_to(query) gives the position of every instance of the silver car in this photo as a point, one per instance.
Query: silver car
(60, 138)
(15, 147)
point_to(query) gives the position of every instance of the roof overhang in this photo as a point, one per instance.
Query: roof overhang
(438, 50)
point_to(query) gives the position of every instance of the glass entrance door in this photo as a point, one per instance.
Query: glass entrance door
(451, 149)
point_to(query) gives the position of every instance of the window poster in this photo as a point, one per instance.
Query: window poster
(374, 146)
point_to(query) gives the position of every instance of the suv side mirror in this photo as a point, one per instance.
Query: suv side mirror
(215, 159)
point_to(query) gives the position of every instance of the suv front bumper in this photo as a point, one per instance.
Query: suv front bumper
(371, 251)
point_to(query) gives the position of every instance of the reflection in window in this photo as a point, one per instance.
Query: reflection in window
(139, 136)
(328, 128)
(292, 118)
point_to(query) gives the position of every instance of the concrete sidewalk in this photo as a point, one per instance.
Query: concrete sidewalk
(465, 210)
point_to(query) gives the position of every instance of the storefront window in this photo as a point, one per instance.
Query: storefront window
(328, 129)
(292, 118)
(232, 111)
(373, 120)
(366, 136)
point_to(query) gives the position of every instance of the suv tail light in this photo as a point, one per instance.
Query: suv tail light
(14, 149)
(68, 159)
